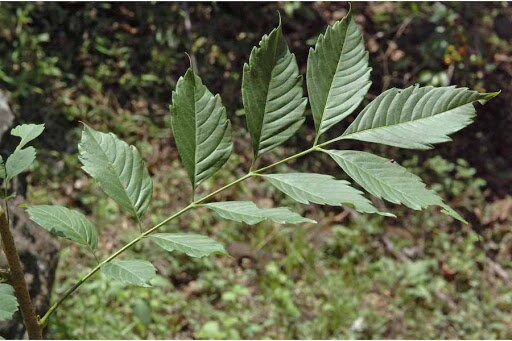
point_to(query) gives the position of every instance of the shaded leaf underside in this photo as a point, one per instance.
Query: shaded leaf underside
(66, 223)
(194, 245)
(416, 117)
(119, 169)
(321, 189)
(136, 272)
(388, 180)
(249, 213)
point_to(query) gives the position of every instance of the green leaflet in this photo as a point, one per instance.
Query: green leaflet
(27, 133)
(194, 245)
(8, 302)
(136, 272)
(119, 169)
(18, 162)
(21, 159)
(272, 93)
(338, 75)
(66, 223)
(321, 189)
(249, 213)
(387, 180)
(415, 117)
(201, 128)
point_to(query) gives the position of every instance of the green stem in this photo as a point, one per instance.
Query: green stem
(45, 318)
(208, 196)
(295, 156)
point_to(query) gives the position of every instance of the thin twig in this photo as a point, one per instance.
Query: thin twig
(44, 320)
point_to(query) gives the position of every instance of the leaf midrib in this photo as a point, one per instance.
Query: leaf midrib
(121, 265)
(178, 243)
(196, 138)
(322, 121)
(242, 213)
(69, 224)
(260, 128)
(342, 137)
(294, 186)
(110, 165)
(379, 181)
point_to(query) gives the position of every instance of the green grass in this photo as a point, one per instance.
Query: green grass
(332, 280)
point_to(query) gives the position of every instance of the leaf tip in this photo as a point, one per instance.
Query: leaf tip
(387, 214)
(488, 96)
(189, 60)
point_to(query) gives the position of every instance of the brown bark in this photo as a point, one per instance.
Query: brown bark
(18, 280)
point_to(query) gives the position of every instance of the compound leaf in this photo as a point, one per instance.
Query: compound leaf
(338, 75)
(321, 189)
(272, 93)
(194, 245)
(119, 169)
(66, 223)
(8, 302)
(249, 213)
(18, 162)
(416, 117)
(201, 128)
(387, 180)
(27, 133)
(136, 272)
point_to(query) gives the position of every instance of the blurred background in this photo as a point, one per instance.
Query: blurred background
(423, 275)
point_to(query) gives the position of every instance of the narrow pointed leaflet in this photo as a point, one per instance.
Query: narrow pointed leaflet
(388, 180)
(249, 213)
(338, 75)
(416, 117)
(272, 93)
(321, 189)
(201, 128)
(194, 245)
(119, 169)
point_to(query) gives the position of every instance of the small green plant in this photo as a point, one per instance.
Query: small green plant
(338, 78)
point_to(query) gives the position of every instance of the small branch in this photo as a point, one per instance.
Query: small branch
(44, 320)
(18, 280)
